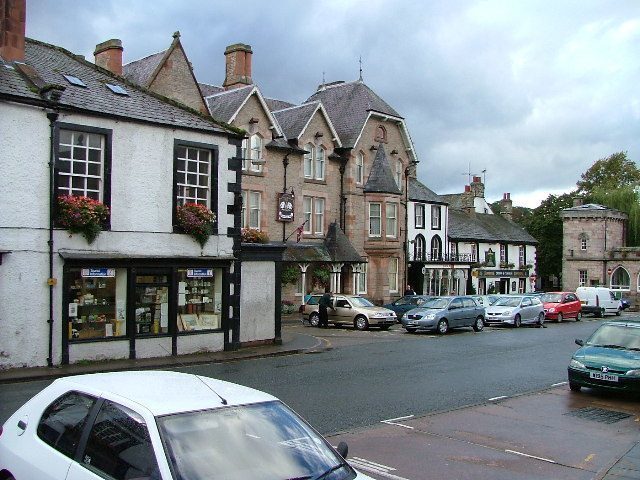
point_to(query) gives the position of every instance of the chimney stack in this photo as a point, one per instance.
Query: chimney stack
(477, 187)
(12, 29)
(506, 206)
(238, 66)
(109, 55)
(577, 202)
(467, 202)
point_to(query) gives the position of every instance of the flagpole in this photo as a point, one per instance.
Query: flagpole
(295, 230)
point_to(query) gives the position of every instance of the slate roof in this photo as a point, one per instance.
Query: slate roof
(293, 120)
(208, 89)
(453, 199)
(422, 193)
(275, 104)
(225, 104)
(484, 227)
(348, 106)
(335, 248)
(381, 179)
(140, 71)
(50, 62)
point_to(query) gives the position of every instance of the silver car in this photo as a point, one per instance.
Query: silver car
(515, 310)
(442, 313)
(350, 310)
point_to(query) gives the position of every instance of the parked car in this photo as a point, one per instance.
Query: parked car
(598, 301)
(608, 359)
(515, 310)
(443, 313)
(561, 305)
(406, 303)
(350, 310)
(485, 300)
(156, 425)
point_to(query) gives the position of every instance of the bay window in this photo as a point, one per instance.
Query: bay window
(375, 212)
(392, 220)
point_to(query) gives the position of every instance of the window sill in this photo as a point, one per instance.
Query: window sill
(253, 174)
(315, 181)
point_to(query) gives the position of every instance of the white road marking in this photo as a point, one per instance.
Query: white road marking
(558, 384)
(392, 421)
(378, 469)
(530, 456)
(497, 398)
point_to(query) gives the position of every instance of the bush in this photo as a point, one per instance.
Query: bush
(287, 307)
(290, 274)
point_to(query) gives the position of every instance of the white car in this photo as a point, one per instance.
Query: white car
(515, 310)
(154, 425)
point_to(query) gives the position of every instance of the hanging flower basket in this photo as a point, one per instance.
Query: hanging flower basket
(196, 220)
(82, 215)
(251, 235)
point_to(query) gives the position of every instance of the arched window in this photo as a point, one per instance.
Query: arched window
(620, 279)
(381, 134)
(436, 248)
(419, 247)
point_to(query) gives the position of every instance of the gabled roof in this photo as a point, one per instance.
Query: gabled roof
(295, 120)
(483, 227)
(208, 89)
(226, 105)
(453, 199)
(421, 193)
(141, 71)
(381, 179)
(50, 63)
(275, 104)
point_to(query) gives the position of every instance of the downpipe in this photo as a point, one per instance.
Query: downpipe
(53, 117)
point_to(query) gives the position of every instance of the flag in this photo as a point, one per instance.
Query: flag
(299, 231)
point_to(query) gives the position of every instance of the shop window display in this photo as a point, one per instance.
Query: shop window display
(97, 307)
(199, 299)
(152, 304)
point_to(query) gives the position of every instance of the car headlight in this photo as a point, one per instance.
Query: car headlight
(430, 316)
(552, 310)
(507, 312)
(633, 373)
(576, 364)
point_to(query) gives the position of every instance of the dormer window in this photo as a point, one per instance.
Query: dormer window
(381, 134)
(314, 162)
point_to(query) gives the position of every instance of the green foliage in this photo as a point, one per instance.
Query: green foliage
(82, 215)
(321, 275)
(518, 214)
(251, 235)
(290, 274)
(627, 200)
(195, 220)
(609, 173)
(545, 225)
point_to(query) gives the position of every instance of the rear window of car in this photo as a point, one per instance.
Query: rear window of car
(313, 300)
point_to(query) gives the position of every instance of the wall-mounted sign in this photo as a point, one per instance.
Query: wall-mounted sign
(98, 272)
(199, 272)
(502, 273)
(490, 258)
(285, 207)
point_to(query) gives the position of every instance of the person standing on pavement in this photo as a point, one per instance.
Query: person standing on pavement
(409, 291)
(324, 303)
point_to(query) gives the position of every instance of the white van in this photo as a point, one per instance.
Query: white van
(598, 300)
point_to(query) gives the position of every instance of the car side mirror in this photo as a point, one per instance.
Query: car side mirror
(579, 342)
(343, 449)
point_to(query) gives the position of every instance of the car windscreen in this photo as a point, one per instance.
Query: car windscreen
(263, 441)
(436, 303)
(551, 298)
(508, 302)
(361, 302)
(616, 336)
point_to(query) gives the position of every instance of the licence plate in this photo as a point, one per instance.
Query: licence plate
(607, 377)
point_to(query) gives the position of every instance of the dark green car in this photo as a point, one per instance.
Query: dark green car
(609, 359)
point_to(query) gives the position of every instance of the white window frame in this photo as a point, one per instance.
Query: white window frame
(503, 253)
(435, 248)
(521, 255)
(255, 142)
(308, 161)
(307, 210)
(319, 162)
(436, 217)
(360, 168)
(377, 233)
(194, 180)
(250, 206)
(394, 264)
(474, 252)
(582, 278)
(620, 287)
(361, 279)
(318, 216)
(313, 209)
(420, 247)
(583, 244)
(419, 215)
(453, 250)
(91, 142)
(244, 218)
(391, 216)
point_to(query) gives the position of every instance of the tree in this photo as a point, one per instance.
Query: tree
(627, 200)
(609, 173)
(518, 214)
(545, 225)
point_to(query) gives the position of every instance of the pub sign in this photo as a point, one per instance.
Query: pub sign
(285, 207)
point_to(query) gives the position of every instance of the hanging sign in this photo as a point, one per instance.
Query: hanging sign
(199, 272)
(98, 272)
(285, 207)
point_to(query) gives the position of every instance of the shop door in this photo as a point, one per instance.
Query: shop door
(504, 285)
(151, 302)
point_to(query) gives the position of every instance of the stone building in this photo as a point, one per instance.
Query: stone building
(594, 251)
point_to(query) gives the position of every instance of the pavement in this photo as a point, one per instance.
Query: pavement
(619, 455)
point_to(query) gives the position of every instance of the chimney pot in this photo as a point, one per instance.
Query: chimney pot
(237, 66)
(477, 179)
(109, 55)
(12, 29)
(467, 188)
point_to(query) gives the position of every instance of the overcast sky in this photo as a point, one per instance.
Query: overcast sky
(532, 92)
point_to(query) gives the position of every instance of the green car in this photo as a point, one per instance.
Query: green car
(609, 359)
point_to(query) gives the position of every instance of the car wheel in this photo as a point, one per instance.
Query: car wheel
(560, 318)
(314, 319)
(517, 321)
(410, 330)
(385, 327)
(540, 319)
(574, 387)
(443, 326)
(361, 322)
(578, 316)
(618, 312)
(478, 324)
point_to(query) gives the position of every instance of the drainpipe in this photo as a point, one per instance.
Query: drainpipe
(343, 200)
(52, 115)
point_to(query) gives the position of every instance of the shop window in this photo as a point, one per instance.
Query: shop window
(98, 298)
(199, 299)
(152, 304)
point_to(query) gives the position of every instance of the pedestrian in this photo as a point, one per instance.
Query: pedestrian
(324, 303)
(409, 291)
